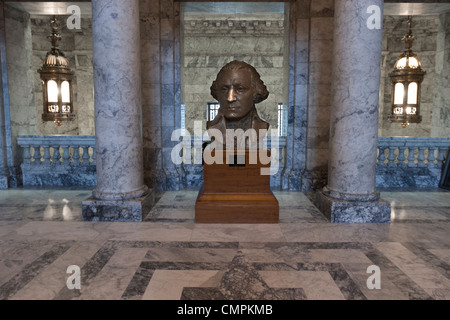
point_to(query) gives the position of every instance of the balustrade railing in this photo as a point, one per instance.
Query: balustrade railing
(410, 162)
(58, 160)
(412, 152)
(58, 150)
(70, 160)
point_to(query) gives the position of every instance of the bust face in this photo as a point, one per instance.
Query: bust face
(235, 93)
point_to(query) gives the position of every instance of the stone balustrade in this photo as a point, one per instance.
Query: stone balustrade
(401, 161)
(58, 160)
(410, 161)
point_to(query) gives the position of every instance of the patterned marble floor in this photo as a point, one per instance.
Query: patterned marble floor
(170, 257)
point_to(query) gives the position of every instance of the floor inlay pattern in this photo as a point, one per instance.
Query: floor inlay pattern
(170, 257)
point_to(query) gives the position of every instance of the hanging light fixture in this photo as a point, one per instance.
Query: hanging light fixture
(406, 80)
(56, 79)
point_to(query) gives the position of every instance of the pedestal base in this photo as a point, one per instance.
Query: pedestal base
(236, 208)
(340, 211)
(134, 210)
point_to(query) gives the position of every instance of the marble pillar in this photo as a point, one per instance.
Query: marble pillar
(4, 177)
(121, 194)
(350, 195)
(8, 172)
(291, 177)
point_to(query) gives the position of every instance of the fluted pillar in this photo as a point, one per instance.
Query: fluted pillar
(350, 195)
(121, 194)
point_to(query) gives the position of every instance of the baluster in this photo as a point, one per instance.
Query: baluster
(85, 155)
(196, 151)
(187, 150)
(381, 156)
(283, 156)
(391, 157)
(37, 155)
(26, 154)
(440, 158)
(65, 155)
(56, 155)
(46, 154)
(94, 160)
(421, 158)
(195, 156)
(431, 157)
(275, 157)
(411, 157)
(401, 157)
(76, 155)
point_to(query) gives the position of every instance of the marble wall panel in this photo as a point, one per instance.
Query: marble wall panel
(319, 80)
(160, 69)
(20, 84)
(322, 8)
(441, 94)
(321, 28)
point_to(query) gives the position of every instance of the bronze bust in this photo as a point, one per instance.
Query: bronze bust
(237, 88)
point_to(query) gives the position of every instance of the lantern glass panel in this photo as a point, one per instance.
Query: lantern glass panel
(412, 93)
(65, 92)
(413, 62)
(398, 93)
(401, 64)
(52, 91)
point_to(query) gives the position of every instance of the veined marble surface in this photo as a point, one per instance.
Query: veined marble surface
(117, 82)
(355, 96)
(168, 256)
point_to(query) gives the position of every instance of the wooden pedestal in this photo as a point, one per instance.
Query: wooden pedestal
(236, 192)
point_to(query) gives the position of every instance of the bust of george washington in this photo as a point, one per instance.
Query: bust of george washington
(237, 88)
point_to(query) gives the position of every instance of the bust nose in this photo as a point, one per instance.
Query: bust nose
(231, 95)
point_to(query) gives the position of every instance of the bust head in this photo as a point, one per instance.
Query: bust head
(238, 87)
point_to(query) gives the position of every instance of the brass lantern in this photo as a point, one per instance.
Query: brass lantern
(406, 80)
(56, 79)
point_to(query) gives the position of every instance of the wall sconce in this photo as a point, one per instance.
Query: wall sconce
(56, 79)
(406, 80)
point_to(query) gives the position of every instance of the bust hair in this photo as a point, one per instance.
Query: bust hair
(261, 92)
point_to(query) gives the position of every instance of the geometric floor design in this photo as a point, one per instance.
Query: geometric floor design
(169, 257)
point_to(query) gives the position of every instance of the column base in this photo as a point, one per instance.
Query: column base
(345, 211)
(133, 210)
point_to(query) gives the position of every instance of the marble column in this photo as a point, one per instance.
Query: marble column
(350, 195)
(121, 194)
(291, 177)
(8, 171)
